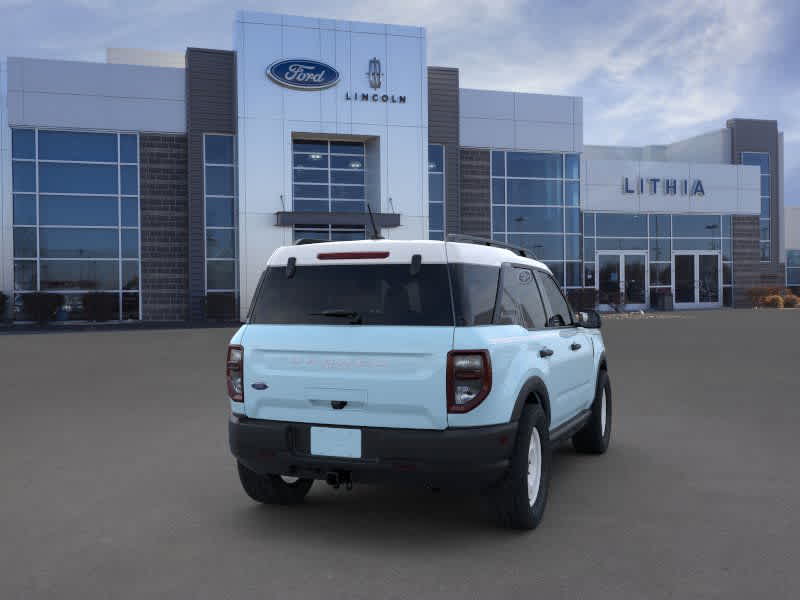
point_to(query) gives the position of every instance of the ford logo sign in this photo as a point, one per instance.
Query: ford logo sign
(303, 74)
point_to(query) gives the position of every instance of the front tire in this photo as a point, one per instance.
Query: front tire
(595, 436)
(273, 489)
(520, 499)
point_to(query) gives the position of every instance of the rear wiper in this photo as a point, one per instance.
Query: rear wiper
(355, 318)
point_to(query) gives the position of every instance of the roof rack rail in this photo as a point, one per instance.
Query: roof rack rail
(472, 239)
(304, 241)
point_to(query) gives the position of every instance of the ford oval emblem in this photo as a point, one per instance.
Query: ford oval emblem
(303, 74)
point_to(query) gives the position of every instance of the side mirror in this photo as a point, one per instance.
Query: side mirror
(589, 319)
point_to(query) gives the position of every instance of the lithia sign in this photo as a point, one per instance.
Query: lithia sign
(306, 74)
(667, 186)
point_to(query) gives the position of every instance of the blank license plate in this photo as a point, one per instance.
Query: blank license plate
(333, 441)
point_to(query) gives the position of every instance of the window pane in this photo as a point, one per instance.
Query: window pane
(348, 206)
(75, 145)
(219, 149)
(661, 274)
(696, 225)
(544, 219)
(310, 191)
(573, 274)
(558, 271)
(793, 258)
(727, 226)
(588, 224)
(573, 166)
(128, 149)
(727, 273)
(520, 302)
(545, 247)
(347, 148)
(793, 277)
(219, 181)
(129, 180)
(588, 274)
(765, 185)
(572, 245)
(436, 187)
(219, 212)
(660, 249)
(25, 275)
(759, 159)
(347, 192)
(529, 164)
(358, 177)
(342, 162)
(435, 158)
(695, 244)
(311, 205)
(24, 209)
(621, 243)
(221, 274)
(765, 207)
(474, 292)
(623, 225)
(765, 251)
(763, 229)
(572, 190)
(436, 216)
(77, 210)
(588, 249)
(727, 297)
(130, 243)
(309, 146)
(23, 176)
(78, 243)
(498, 163)
(316, 161)
(77, 179)
(558, 305)
(23, 144)
(727, 249)
(660, 226)
(25, 242)
(498, 191)
(311, 175)
(130, 275)
(79, 275)
(311, 234)
(522, 191)
(498, 218)
(220, 243)
(340, 235)
(572, 220)
(130, 307)
(130, 212)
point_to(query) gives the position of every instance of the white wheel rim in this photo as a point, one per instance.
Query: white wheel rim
(289, 479)
(603, 413)
(534, 466)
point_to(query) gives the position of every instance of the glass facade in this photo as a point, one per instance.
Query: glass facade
(328, 176)
(436, 194)
(793, 268)
(761, 160)
(221, 222)
(76, 219)
(536, 205)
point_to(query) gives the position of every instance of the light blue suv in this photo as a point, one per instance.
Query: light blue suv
(455, 363)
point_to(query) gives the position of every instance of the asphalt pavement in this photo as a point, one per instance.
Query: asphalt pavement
(117, 482)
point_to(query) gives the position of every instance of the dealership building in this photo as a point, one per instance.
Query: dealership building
(167, 180)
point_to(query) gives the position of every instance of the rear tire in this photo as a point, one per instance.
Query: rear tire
(520, 499)
(273, 489)
(596, 434)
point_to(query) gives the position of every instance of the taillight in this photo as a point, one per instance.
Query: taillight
(469, 379)
(234, 373)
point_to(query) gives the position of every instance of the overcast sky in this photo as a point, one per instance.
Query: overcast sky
(650, 72)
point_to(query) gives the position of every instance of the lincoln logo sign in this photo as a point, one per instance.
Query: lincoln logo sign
(670, 187)
(302, 74)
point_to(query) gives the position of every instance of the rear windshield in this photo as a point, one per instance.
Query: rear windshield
(354, 295)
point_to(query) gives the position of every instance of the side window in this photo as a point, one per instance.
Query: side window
(559, 309)
(474, 293)
(520, 302)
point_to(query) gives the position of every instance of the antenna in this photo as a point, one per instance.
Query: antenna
(375, 234)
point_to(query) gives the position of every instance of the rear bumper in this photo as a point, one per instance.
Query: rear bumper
(471, 456)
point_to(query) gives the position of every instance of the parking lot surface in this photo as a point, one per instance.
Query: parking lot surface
(117, 481)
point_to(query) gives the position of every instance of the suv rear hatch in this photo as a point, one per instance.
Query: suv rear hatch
(351, 334)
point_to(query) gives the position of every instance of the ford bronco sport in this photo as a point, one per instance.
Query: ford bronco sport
(445, 363)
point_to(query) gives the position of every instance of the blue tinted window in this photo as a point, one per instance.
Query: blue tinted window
(347, 192)
(220, 243)
(130, 212)
(436, 217)
(23, 143)
(436, 187)
(545, 247)
(573, 166)
(435, 158)
(558, 271)
(219, 181)
(765, 207)
(588, 224)
(338, 162)
(759, 159)
(572, 220)
(539, 220)
(220, 274)
(25, 242)
(80, 146)
(588, 249)
(696, 225)
(572, 247)
(130, 275)
(78, 243)
(80, 275)
(498, 218)
(219, 212)
(24, 275)
(572, 189)
(128, 149)
(357, 177)
(621, 244)
(498, 191)
(310, 191)
(347, 148)
(695, 244)
(312, 175)
(573, 274)
(348, 206)
(765, 185)
(660, 226)
(24, 209)
(77, 210)
(660, 249)
(498, 163)
(793, 277)
(765, 250)
(727, 227)
(793, 258)
(529, 164)
(129, 180)
(311, 205)
(624, 225)
(130, 243)
(219, 149)
(23, 176)
(320, 161)
(310, 146)
(727, 249)
(764, 229)
(524, 191)
(77, 179)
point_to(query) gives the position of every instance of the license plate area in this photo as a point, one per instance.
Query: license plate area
(336, 441)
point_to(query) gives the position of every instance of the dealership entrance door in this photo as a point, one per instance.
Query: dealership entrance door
(697, 279)
(622, 280)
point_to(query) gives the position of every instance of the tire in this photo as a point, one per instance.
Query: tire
(273, 489)
(595, 436)
(520, 499)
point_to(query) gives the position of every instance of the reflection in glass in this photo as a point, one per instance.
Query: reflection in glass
(56, 242)
(77, 146)
(80, 275)
(66, 178)
(221, 274)
(219, 149)
(77, 210)
(25, 242)
(220, 243)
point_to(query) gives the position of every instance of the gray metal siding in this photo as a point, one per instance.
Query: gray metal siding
(443, 128)
(475, 196)
(210, 108)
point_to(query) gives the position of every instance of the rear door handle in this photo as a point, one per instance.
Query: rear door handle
(575, 347)
(545, 352)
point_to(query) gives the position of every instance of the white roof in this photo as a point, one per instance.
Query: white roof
(401, 251)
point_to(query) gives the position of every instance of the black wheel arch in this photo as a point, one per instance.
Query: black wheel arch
(533, 392)
(603, 363)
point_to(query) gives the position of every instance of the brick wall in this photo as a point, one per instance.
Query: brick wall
(165, 227)
(475, 198)
(746, 266)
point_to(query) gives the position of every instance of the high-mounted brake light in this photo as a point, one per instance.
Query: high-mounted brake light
(469, 379)
(234, 373)
(351, 255)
